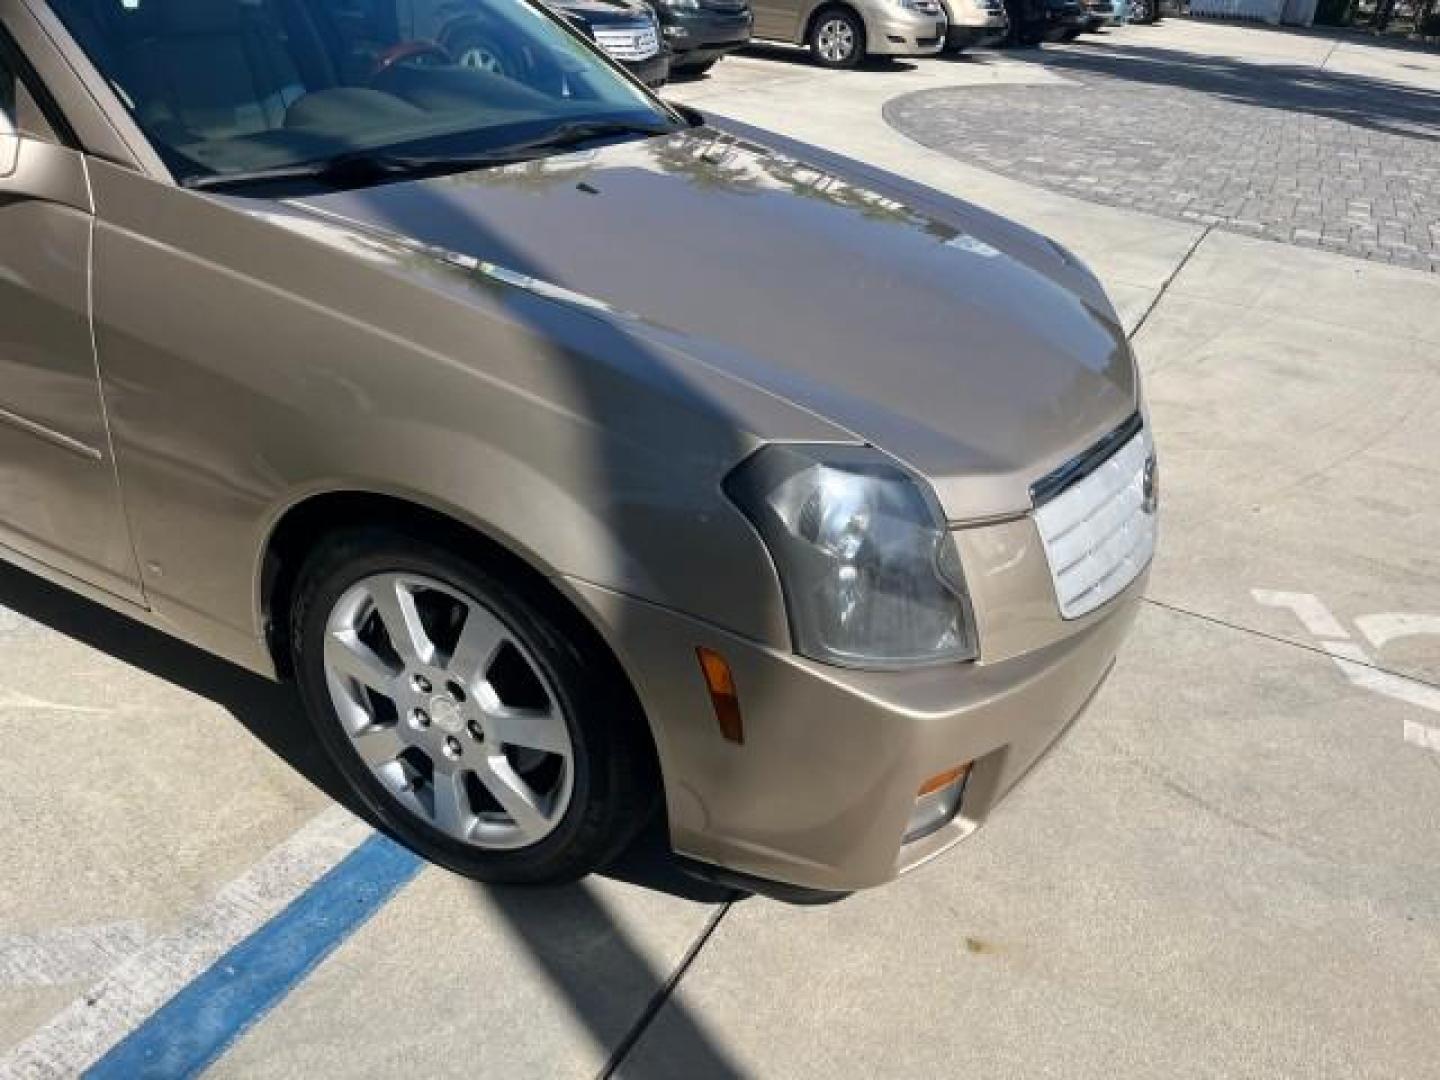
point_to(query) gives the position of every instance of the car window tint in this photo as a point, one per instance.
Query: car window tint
(227, 86)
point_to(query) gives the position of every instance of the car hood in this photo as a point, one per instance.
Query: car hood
(964, 345)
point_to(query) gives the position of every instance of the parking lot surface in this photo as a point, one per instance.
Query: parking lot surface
(1228, 869)
(1338, 162)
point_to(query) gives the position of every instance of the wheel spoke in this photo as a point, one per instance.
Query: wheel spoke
(395, 604)
(480, 639)
(379, 744)
(348, 656)
(514, 796)
(399, 690)
(451, 809)
(534, 729)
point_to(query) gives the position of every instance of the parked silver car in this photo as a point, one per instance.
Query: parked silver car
(841, 33)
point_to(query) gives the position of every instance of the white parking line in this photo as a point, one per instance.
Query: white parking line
(95, 1022)
(1313, 615)
(1380, 630)
(67, 954)
(1357, 664)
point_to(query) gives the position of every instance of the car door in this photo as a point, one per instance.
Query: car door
(59, 492)
(777, 20)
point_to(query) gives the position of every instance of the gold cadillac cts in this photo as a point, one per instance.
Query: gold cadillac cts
(574, 457)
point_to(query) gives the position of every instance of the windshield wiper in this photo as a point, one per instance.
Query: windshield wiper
(575, 132)
(362, 167)
(338, 171)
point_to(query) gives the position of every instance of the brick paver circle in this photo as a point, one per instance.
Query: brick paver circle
(1279, 152)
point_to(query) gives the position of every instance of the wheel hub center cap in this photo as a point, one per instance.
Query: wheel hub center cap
(446, 715)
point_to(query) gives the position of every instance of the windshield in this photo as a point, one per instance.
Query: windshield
(228, 87)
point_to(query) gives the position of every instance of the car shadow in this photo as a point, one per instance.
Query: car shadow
(1345, 35)
(799, 56)
(1365, 101)
(592, 963)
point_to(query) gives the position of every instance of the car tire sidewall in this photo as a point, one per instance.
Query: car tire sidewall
(568, 851)
(856, 27)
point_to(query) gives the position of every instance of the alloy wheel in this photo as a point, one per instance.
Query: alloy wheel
(835, 40)
(449, 710)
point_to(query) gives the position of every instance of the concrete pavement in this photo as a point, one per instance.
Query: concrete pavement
(1227, 870)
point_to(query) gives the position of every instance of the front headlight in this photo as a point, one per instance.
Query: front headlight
(681, 5)
(871, 575)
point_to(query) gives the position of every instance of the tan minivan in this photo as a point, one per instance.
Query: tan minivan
(385, 374)
(841, 33)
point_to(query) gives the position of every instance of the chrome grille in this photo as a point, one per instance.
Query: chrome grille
(1099, 533)
(635, 41)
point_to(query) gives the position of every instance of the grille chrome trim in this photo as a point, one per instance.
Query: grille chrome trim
(1081, 466)
(638, 41)
(1098, 532)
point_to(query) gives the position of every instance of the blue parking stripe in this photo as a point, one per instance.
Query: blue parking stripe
(199, 1023)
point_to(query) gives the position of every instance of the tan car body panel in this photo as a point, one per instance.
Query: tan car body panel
(253, 355)
(191, 384)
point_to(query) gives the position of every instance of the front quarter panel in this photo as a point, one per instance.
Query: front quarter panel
(252, 359)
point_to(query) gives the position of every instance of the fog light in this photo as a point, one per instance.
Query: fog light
(676, 32)
(937, 802)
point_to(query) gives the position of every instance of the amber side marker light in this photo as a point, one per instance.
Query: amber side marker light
(721, 682)
(937, 802)
(944, 779)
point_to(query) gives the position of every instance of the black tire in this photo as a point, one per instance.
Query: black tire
(615, 785)
(1028, 35)
(694, 71)
(818, 30)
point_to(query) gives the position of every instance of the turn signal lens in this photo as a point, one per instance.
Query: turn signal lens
(937, 802)
(944, 779)
(721, 682)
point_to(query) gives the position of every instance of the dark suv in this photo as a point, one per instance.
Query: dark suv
(626, 29)
(700, 32)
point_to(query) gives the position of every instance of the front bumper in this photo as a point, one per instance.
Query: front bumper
(987, 32)
(698, 36)
(654, 72)
(820, 792)
(1063, 27)
(901, 33)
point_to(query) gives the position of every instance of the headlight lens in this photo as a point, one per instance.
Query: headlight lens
(681, 5)
(871, 574)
